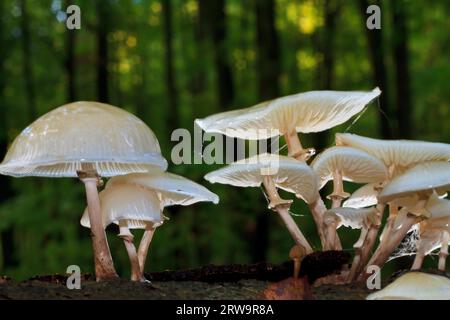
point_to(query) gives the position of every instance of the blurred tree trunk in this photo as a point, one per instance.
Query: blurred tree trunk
(402, 76)
(201, 29)
(102, 51)
(7, 249)
(172, 94)
(223, 69)
(327, 47)
(69, 62)
(376, 50)
(268, 64)
(27, 68)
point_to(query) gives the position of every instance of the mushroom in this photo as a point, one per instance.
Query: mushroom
(297, 253)
(274, 171)
(171, 189)
(361, 218)
(415, 286)
(434, 232)
(398, 156)
(421, 180)
(306, 112)
(345, 163)
(350, 164)
(86, 140)
(130, 207)
(365, 196)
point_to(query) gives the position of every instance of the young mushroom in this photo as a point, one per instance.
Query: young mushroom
(306, 112)
(87, 140)
(415, 286)
(171, 189)
(297, 253)
(130, 207)
(350, 164)
(421, 181)
(434, 232)
(273, 171)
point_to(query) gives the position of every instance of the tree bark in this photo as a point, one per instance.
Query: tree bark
(69, 63)
(27, 67)
(402, 76)
(171, 87)
(102, 52)
(223, 69)
(379, 73)
(326, 70)
(268, 54)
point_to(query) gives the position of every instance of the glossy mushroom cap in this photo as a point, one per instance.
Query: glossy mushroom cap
(366, 196)
(100, 136)
(354, 218)
(354, 165)
(415, 286)
(401, 154)
(424, 178)
(134, 205)
(288, 174)
(172, 189)
(312, 111)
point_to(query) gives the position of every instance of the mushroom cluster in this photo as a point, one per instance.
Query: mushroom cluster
(91, 140)
(410, 178)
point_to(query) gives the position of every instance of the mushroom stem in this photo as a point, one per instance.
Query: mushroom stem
(282, 207)
(444, 251)
(318, 210)
(127, 237)
(358, 253)
(418, 260)
(369, 240)
(295, 147)
(382, 254)
(297, 254)
(144, 245)
(104, 266)
(338, 190)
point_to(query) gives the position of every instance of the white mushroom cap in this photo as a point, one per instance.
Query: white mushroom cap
(354, 165)
(400, 153)
(289, 174)
(423, 178)
(134, 205)
(415, 286)
(172, 189)
(354, 218)
(312, 111)
(109, 139)
(366, 196)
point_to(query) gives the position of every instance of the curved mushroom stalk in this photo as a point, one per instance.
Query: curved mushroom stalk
(429, 240)
(318, 210)
(295, 147)
(358, 253)
(382, 254)
(104, 266)
(338, 190)
(444, 250)
(127, 237)
(282, 207)
(144, 245)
